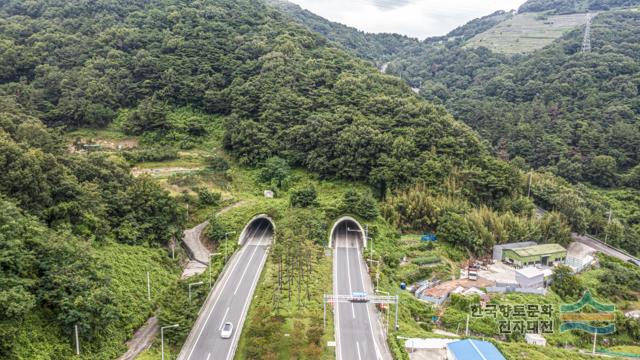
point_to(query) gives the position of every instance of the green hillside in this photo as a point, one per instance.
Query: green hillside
(527, 32)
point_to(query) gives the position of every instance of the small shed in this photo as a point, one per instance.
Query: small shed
(579, 256)
(535, 339)
(471, 349)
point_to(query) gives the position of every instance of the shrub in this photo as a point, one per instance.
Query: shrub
(303, 197)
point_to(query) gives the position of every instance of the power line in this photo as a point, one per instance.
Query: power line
(586, 41)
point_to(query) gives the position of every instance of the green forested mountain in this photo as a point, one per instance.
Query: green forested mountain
(283, 90)
(572, 113)
(558, 110)
(286, 91)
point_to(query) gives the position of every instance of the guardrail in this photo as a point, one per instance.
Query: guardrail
(593, 238)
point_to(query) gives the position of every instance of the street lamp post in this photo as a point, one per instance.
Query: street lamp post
(225, 244)
(162, 337)
(210, 266)
(193, 284)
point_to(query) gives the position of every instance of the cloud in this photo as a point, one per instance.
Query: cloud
(416, 18)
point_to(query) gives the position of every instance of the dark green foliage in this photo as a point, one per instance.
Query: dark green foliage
(361, 204)
(151, 115)
(620, 280)
(215, 230)
(217, 163)
(46, 269)
(305, 196)
(275, 171)
(206, 197)
(565, 283)
(284, 91)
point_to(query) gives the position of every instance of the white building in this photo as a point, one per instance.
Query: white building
(530, 277)
(535, 339)
(579, 256)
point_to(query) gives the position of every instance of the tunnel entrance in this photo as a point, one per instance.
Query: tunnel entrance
(347, 232)
(259, 231)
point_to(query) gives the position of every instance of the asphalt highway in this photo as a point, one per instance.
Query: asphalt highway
(230, 299)
(358, 331)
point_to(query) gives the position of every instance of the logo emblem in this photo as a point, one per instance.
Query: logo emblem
(573, 319)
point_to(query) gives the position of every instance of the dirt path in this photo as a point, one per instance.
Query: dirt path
(142, 339)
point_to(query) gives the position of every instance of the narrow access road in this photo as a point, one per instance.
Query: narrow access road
(230, 299)
(358, 331)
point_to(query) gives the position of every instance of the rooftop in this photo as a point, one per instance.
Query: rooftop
(530, 272)
(538, 250)
(474, 350)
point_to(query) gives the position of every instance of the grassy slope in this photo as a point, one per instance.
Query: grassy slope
(126, 267)
(526, 32)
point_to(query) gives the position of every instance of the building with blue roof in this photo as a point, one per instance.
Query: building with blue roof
(471, 349)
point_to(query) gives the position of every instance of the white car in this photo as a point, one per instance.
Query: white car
(227, 330)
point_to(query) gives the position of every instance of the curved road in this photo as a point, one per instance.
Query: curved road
(358, 334)
(230, 299)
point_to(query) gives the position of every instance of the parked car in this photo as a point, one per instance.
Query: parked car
(227, 330)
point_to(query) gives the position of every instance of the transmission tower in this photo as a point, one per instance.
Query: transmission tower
(586, 41)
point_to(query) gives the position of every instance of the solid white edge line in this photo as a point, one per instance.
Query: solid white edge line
(336, 325)
(373, 336)
(227, 276)
(248, 262)
(232, 349)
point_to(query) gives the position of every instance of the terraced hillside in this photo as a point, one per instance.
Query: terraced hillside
(527, 32)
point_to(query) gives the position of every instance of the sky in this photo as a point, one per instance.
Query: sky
(416, 18)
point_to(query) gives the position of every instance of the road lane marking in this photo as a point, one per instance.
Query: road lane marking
(249, 262)
(246, 304)
(358, 347)
(346, 238)
(336, 305)
(208, 356)
(223, 319)
(226, 276)
(373, 337)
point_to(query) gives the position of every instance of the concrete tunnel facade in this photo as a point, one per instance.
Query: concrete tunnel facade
(256, 221)
(350, 221)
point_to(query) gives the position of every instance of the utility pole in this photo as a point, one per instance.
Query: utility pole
(466, 331)
(148, 286)
(606, 232)
(77, 340)
(193, 284)
(595, 336)
(162, 337)
(586, 41)
(210, 266)
(397, 304)
(529, 190)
